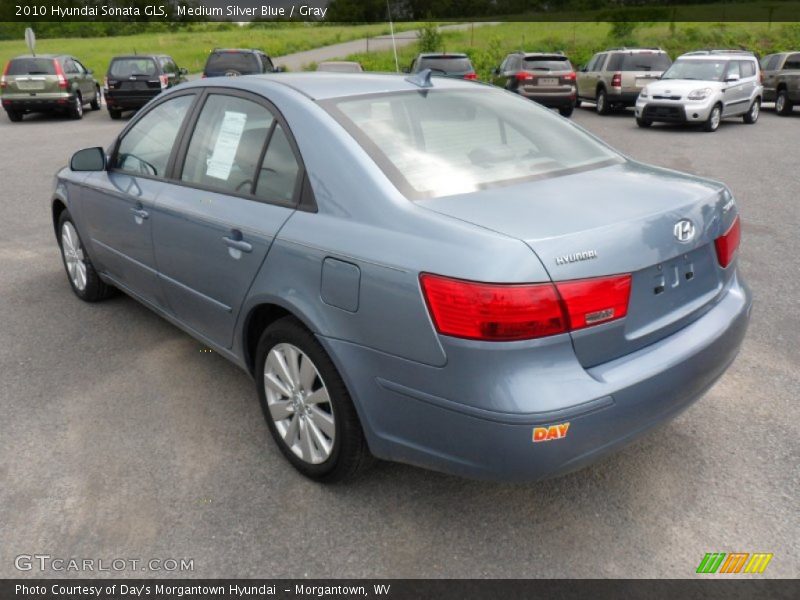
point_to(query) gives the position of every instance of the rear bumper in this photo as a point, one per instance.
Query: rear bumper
(134, 100)
(551, 100)
(622, 98)
(38, 103)
(409, 416)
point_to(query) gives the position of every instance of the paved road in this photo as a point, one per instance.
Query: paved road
(120, 438)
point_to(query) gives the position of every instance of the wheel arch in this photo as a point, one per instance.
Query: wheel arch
(58, 206)
(259, 317)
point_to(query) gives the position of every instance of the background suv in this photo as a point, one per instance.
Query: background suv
(704, 87)
(782, 80)
(235, 62)
(613, 79)
(132, 81)
(47, 83)
(449, 65)
(546, 78)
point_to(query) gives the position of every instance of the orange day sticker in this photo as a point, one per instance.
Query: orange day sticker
(553, 432)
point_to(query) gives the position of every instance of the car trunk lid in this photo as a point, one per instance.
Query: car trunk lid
(621, 219)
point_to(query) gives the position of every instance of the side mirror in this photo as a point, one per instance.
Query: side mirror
(90, 71)
(496, 71)
(406, 70)
(89, 159)
(183, 71)
(732, 77)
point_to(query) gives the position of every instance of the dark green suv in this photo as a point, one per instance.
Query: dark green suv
(47, 83)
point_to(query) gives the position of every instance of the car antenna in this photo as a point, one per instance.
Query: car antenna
(421, 79)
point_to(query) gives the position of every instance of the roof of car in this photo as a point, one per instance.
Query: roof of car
(321, 85)
(252, 50)
(41, 56)
(442, 55)
(126, 56)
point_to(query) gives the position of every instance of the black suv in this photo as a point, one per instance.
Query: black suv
(546, 78)
(132, 81)
(235, 62)
(449, 65)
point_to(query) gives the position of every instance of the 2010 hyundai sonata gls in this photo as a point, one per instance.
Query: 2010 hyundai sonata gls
(429, 271)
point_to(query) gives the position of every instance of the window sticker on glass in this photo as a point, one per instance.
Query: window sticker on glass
(230, 134)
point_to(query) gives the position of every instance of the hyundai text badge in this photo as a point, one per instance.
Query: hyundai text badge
(684, 231)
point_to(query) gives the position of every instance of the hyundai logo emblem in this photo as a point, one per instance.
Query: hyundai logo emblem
(684, 230)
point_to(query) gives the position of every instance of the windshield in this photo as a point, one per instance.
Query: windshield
(446, 65)
(241, 62)
(128, 67)
(32, 66)
(702, 70)
(547, 64)
(441, 143)
(639, 61)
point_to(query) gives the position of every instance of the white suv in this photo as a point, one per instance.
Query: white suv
(704, 87)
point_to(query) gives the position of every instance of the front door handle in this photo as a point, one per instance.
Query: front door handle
(240, 245)
(140, 213)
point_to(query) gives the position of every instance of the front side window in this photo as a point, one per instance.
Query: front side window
(227, 144)
(770, 63)
(597, 62)
(446, 142)
(146, 147)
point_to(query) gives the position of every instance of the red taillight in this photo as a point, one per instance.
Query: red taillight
(3, 82)
(616, 80)
(728, 243)
(164, 80)
(485, 311)
(592, 301)
(523, 76)
(105, 82)
(471, 76)
(62, 81)
(203, 76)
(570, 76)
(497, 312)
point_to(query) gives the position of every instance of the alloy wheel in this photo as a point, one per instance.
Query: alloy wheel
(73, 256)
(299, 403)
(715, 117)
(754, 110)
(780, 103)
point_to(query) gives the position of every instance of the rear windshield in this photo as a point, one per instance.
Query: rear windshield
(453, 142)
(128, 67)
(32, 66)
(447, 65)
(701, 70)
(340, 67)
(547, 64)
(241, 62)
(639, 61)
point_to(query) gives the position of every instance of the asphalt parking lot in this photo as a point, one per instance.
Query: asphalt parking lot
(121, 438)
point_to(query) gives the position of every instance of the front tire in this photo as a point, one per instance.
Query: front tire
(751, 116)
(601, 102)
(83, 279)
(307, 406)
(643, 123)
(783, 106)
(714, 118)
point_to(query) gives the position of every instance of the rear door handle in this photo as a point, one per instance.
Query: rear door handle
(140, 212)
(240, 245)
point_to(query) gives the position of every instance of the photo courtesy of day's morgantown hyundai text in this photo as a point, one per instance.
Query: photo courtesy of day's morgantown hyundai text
(419, 269)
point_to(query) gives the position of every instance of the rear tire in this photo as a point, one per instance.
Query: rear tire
(96, 102)
(114, 113)
(81, 274)
(783, 106)
(76, 107)
(14, 116)
(751, 116)
(643, 123)
(308, 425)
(566, 111)
(714, 118)
(577, 103)
(601, 102)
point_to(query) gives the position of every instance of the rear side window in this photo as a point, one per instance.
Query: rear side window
(747, 68)
(792, 63)
(32, 66)
(547, 64)
(122, 68)
(639, 61)
(233, 62)
(146, 147)
(446, 65)
(227, 144)
(277, 178)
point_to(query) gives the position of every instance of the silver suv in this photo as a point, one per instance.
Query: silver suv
(704, 87)
(614, 78)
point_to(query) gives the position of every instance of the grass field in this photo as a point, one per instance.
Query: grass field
(190, 49)
(487, 46)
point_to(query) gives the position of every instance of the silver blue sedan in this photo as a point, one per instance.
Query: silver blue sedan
(418, 269)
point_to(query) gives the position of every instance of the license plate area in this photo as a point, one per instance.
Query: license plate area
(547, 81)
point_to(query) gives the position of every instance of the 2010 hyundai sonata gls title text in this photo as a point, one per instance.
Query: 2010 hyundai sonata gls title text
(430, 271)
